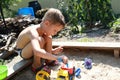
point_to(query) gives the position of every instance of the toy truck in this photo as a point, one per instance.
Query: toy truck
(42, 75)
(66, 73)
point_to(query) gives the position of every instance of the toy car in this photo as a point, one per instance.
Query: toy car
(42, 75)
(63, 75)
(66, 73)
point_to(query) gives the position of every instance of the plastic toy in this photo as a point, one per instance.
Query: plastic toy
(88, 63)
(63, 75)
(42, 75)
(3, 72)
(77, 72)
(43, 72)
(66, 73)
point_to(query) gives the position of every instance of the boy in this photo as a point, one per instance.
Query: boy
(36, 40)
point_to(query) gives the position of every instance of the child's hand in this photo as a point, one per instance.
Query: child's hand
(57, 50)
(63, 59)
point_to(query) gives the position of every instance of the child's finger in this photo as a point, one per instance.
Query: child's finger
(61, 46)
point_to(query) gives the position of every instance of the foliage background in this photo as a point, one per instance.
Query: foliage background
(87, 13)
(80, 14)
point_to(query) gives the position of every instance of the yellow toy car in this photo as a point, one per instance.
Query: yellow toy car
(66, 74)
(42, 75)
(63, 75)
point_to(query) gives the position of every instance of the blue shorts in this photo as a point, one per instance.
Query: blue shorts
(19, 52)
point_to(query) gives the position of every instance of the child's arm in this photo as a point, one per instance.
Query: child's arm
(48, 45)
(38, 51)
(37, 47)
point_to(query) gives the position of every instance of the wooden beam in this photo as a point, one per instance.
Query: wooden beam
(116, 53)
(91, 45)
(16, 65)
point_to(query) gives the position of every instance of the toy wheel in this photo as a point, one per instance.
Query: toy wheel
(42, 75)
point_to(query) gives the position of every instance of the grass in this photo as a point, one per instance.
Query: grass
(86, 40)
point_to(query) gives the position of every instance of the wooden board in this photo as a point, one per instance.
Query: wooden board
(109, 45)
(16, 65)
(91, 45)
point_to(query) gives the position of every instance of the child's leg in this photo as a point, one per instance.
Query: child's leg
(27, 53)
(48, 47)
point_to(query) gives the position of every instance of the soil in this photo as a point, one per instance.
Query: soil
(104, 65)
(95, 35)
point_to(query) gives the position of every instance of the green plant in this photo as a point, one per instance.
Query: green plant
(7, 3)
(86, 13)
(5, 6)
(115, 25)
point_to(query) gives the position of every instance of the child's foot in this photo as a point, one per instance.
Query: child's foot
(43, 67)
(51, 63)
(33, 70)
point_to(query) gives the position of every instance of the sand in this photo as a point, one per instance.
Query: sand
(104, 66)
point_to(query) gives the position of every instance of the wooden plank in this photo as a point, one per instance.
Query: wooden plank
(16, 65)
(91, 45)
(116, 53)
(101, 45)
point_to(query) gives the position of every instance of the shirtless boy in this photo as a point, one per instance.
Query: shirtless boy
(36, 40)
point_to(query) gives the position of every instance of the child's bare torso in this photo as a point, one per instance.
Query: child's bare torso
(24, 37)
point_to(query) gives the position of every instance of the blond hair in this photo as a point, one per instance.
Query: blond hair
(54, 16)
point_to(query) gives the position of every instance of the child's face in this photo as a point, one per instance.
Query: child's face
(53, 29)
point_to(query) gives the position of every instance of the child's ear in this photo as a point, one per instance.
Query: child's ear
(47, 22)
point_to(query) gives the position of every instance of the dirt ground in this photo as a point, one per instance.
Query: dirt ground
(98, 35)
(104, 65)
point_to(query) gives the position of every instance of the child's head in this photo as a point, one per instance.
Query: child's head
(54, 16)
(54, 21)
